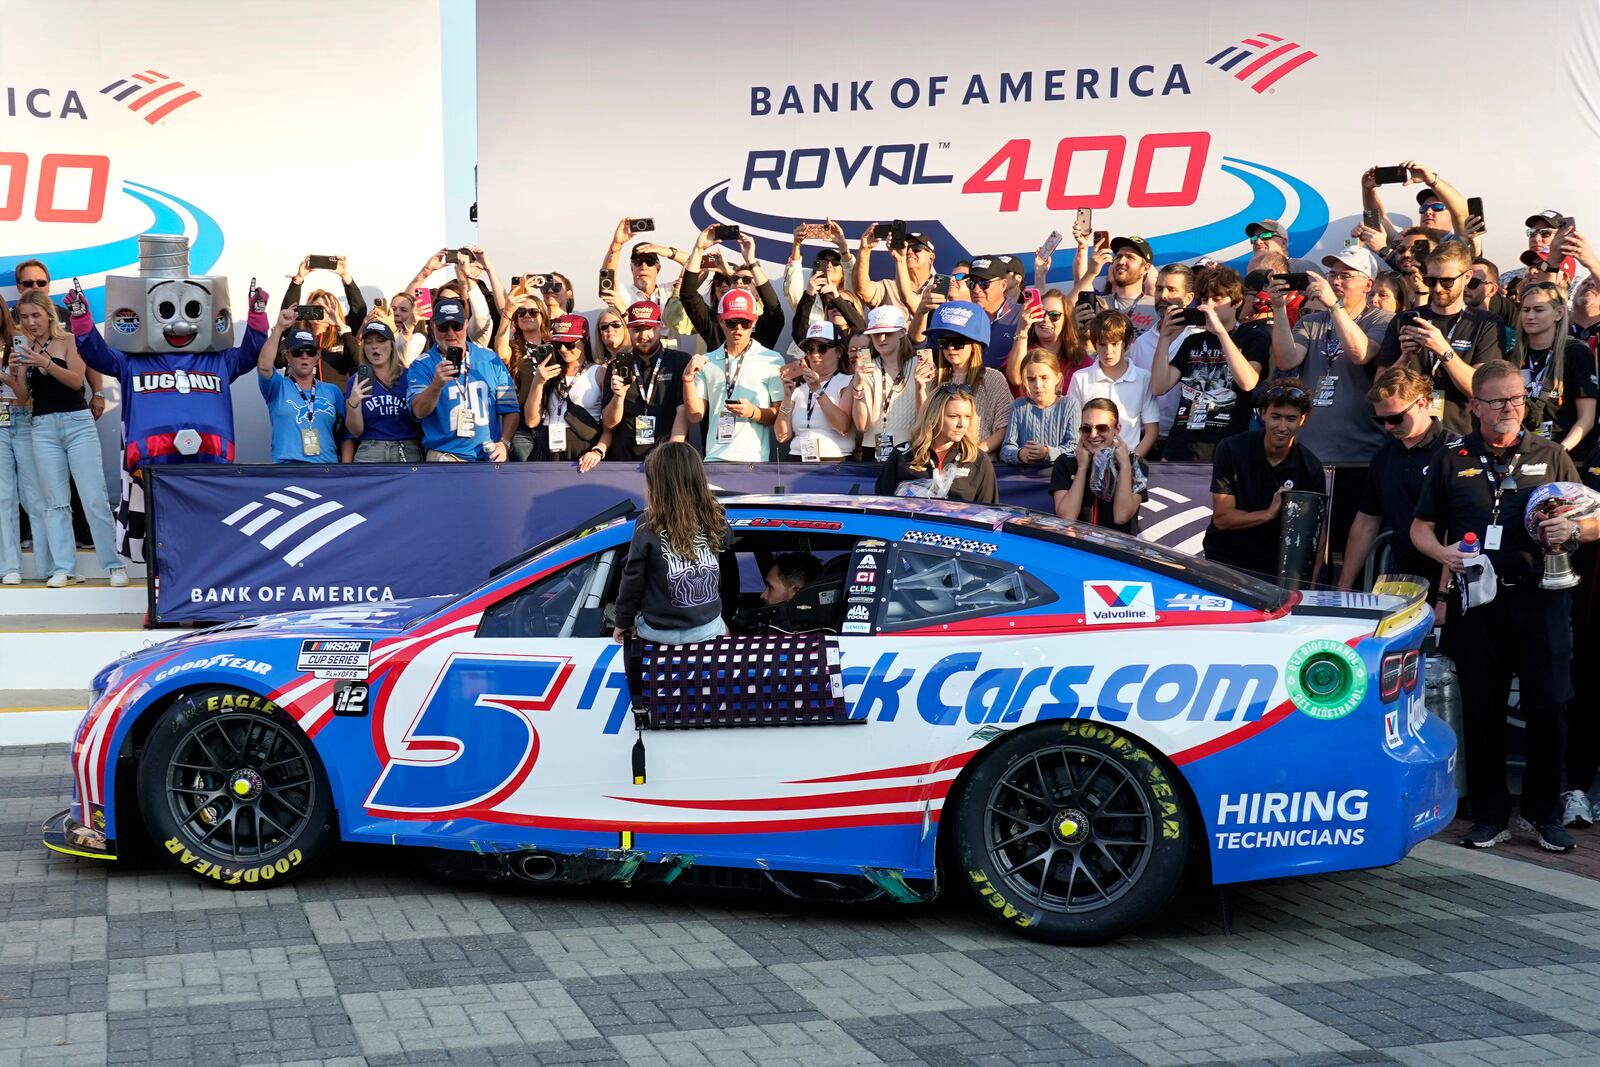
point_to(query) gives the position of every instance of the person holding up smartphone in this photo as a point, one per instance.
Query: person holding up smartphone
(340, 350)
(1440, 207)
(826, 301)
(643, 392)
(379, 425)
(885, 390)
(462, 393)
(306, 412)
(913, 266)
(704, 317)
(795, 273)
(732, 392)
(566, 399)
(815, 418)
(1129, 260)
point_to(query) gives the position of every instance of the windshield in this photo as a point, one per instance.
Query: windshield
(1236, 585)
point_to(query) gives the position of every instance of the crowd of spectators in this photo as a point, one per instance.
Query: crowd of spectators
(1345, 377)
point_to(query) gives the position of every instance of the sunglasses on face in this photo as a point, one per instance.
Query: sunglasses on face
(1263, 237)
(1390, 420)
(527, 313)
(959, 277)
(981, 283)
(649, 259)
(816, 350)
(1435, 281)
(611, 325)
(737, 324)
(448, 327)
(554, 287)
(1547, 234)
(744, 279)
(1430, 207)
(1279, 392)
(948, 343)
(1094, 431)
(32, 285)
(1054, 316)
(569, 344)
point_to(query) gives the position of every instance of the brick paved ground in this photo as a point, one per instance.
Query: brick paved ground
(376, 962)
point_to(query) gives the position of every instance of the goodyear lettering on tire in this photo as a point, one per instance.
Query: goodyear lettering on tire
(1145, 765)
(234, 875)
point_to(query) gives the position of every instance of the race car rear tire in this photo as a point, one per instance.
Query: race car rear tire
(1071, 832)
(232, 790)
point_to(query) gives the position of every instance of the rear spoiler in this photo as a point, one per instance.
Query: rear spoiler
(1414, 608)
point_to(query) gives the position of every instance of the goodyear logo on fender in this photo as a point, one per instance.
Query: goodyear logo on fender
(961, 688)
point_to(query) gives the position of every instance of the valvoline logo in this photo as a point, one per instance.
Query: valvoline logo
(1117, 596)
(1118, 602)
(38, 183)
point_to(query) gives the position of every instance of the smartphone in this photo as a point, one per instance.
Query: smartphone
(1087, 300)
(1371, 219)
(364, 372)
(1298, 281)
(1191, 317)
(454, 355)
(897, 234)
(1051, 243)
(309, 312)
(641, 225)
(1389, 175)
(814, 231)
(323, 262)
(941, 285)
(725, 233)
(608, 281)
(1102, 239)
(1475, 206)
(1566, 223)
(1031, 297)
(536, 281)
(1083, 224)
(545, 354)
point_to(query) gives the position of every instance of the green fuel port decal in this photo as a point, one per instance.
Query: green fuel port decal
(1326, 679)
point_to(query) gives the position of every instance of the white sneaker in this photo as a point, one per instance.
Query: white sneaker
(1575, 809)
(119, 577)
(12, 578)
(57, 581)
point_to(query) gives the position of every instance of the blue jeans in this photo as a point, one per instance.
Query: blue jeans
(19, 484)
(67, 451)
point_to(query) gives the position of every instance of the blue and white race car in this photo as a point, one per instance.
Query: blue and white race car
(1062, 719)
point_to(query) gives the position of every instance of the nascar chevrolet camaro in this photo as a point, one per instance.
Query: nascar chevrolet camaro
(1062, 719)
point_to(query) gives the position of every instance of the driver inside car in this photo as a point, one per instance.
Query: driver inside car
(789, 574)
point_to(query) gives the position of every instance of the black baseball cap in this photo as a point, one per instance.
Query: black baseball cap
(919, 239)
(1138, 244)
(298, 340)
(378, 326)
(987, 267)
(450, 311)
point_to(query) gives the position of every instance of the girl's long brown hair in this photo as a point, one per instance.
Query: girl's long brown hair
(929, 418)
(682, 509)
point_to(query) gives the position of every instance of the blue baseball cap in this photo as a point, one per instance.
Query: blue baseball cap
(962, 318)
(378, 327)
(450, 310)
(298, 340)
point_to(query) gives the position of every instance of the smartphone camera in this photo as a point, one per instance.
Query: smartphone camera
(725, 233)
(1389, 175)
(1192, 317)
(309, 312)
(323, 262)
(641, 225)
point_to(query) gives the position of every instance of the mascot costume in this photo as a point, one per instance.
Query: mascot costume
(172, 350)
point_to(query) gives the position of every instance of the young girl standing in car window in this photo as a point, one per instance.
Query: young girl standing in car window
(671, 585)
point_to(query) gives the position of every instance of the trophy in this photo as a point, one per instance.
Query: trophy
(1565, 500)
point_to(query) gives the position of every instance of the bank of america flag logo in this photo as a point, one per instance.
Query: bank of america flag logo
(1262, 60)
(297, 518)
(147, 87)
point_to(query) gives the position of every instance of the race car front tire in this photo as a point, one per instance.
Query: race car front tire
(1071, 832)
(232, 790)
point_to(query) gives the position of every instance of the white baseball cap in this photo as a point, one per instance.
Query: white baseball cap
(885, 318)
(821, 331)
(1355, 257)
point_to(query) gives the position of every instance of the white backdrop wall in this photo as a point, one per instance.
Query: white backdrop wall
(678, 111)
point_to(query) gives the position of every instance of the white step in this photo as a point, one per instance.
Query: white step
(64, 652)
(40, 716)
(87, 565)
(92, 597)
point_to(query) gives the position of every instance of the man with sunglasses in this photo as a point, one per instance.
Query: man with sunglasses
(643, 396)
(1445, 339)
(1413, 439)
(1441, 209)
(1266, 237)
(733, 391)
(1484, 293)
(913, 266)
(1249, 476)
(1541, 232)
(988, 279)
(460, 391)
(1480, 485)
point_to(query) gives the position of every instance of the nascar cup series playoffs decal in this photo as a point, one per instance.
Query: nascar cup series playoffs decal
(335, 658)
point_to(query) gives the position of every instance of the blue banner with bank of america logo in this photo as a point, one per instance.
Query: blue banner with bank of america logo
(236, 542)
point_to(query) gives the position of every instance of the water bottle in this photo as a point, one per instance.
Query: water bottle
(1469, 545)
(1473, 574)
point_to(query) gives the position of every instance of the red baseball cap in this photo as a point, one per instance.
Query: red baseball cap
(569, 328)
(644, 313)
(737, 304)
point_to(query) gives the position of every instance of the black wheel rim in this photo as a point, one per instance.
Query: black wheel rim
(1069, 829)
(241, 786)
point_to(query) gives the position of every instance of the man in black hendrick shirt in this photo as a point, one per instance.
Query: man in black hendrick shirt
(1216, 368)
(1250, 475)
(1445, 339)
(643, 389)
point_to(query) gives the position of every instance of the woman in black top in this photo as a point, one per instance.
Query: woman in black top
(944, 457)
(66, 447)
(671, 591)
(1560, 406)
(1103, 484)
(340, 350)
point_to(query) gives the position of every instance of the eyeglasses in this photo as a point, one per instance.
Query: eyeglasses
(1390, 420)
(1262, 237)
(448, 327)
(1096, 430)
(611, 325)
(950, 341)
(959, 277)
(1434, 281)
(1054, 316)
(1502, 403)
(41, 284)
(817, 350)
(532, 313)
(648, 259)
(981, 283)
(1542, 231)
(1435, 206)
